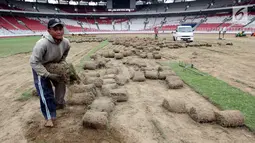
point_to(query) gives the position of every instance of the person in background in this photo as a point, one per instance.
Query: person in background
(220, 31)
(224, 30)
(156, 32)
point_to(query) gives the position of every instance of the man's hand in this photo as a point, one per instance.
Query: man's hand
(55, 77)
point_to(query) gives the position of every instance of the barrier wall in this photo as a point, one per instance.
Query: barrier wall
(126, 32)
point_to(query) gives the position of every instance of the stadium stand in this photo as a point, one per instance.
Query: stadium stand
(3, 31)
(198, 5)
(9, 6)
(14, 22)
(24, 5)
(81, 9)
(222, 3)
(11, 25)
(32, 24)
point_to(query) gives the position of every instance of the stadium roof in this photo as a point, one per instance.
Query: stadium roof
(101, 2)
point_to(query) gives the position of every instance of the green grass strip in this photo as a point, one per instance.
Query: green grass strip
(219, 93)
(91, 52)
(12, 46)
(25, 95)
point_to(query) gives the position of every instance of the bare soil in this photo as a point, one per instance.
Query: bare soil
(233, 64)
(142, 118)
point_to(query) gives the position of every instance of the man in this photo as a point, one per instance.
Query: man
(156, 32)
(220, 31)
(224, 31)
(53, 48)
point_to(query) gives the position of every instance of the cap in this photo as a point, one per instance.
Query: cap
(54, 22)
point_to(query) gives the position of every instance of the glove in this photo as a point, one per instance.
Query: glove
(55, 77)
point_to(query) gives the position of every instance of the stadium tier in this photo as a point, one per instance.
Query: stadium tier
(11, 24)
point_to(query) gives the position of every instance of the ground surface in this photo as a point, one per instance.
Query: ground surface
(233, 64)
(141, 119)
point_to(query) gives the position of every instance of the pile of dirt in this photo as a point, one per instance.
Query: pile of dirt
(89, 80)
(166, 73)
(89, 77)
(89, 74)
(80, 88)
(225, 43)
(198, 44)
(119, 56)
(157, 56)
(229, 118)
(109, 54)
(95, 120)
(116, 50)
(119, 95)
(110, 86)
(102, 104)
(174, 105)
(148, 45)
(229, 43)
(109, 81)
(111, 71)
(202, 114)
(90, 65)
(121, 80)
(174, 82)
(135, 62)
(84, 98)
(127, 53)
(80, 39)
(109, 76)
(99, 82)
(151, 74)
(100, 109)
(139, 76)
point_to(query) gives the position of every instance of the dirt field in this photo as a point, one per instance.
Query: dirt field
(141, 119)
(233, 64)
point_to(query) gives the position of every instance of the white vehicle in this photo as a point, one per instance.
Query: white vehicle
(184, 33)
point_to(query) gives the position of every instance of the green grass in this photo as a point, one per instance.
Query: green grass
(91, 52)
(219, 93)
(94, 50)
(12, 46)
(25, 95)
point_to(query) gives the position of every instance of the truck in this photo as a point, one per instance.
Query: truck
(184, 33)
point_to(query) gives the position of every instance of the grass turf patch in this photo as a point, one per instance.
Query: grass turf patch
(12, 46)
(219, 93)
(91, 52)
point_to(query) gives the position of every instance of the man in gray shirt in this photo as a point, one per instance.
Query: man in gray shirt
(53, 48)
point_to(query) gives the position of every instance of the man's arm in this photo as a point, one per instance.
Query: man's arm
(37, 58)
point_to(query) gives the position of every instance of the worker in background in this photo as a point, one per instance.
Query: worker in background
(156, 32)
(224, 30)
(220, 31)
(52, 48)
